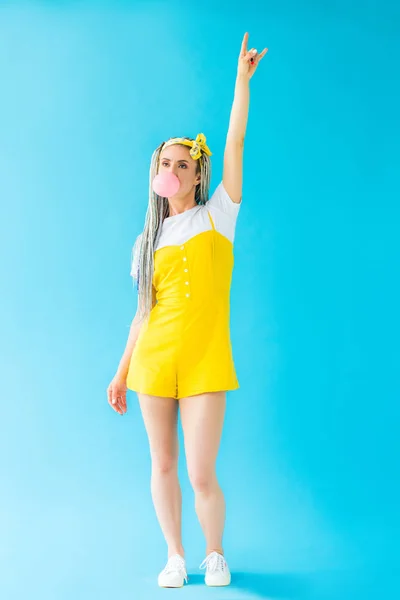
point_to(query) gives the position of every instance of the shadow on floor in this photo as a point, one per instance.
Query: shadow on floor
(265, 585)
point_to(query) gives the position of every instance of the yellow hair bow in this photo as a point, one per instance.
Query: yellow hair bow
(197, 146)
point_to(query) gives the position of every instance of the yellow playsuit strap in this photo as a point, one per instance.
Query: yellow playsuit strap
(212, 222)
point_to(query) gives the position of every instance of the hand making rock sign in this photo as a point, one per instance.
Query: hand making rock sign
(249, 59)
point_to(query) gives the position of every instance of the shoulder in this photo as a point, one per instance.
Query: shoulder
(221, 200)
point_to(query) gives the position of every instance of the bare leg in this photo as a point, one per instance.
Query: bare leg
(202, 419)
(160, 419)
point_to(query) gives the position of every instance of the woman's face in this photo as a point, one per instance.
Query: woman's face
(177, 160)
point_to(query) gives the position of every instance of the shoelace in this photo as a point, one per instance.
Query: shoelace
(176, 563)
(213, 562)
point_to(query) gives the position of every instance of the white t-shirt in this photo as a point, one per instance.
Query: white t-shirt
(178, 229)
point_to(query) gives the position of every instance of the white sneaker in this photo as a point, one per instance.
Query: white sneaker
(217, 573)
(174, 573)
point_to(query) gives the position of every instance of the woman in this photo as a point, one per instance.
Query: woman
(179, 345)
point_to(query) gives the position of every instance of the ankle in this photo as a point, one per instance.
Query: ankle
(174, 550)
(219, 550)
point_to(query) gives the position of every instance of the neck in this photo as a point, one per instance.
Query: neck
(179, 205)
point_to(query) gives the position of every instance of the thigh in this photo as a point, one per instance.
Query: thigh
(202, 418)
(160, 415)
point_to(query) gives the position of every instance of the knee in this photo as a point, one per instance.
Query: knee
(202, 482)
(164, 464)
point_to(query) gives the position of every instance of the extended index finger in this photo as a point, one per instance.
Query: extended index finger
(243, 49)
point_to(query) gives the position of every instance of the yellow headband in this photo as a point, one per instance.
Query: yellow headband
(197, 146)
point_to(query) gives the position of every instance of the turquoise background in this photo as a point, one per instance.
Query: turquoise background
(309, 460)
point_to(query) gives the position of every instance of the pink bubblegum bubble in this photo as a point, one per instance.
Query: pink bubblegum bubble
(166, 184)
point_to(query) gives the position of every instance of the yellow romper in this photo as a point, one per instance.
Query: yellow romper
(184, 346)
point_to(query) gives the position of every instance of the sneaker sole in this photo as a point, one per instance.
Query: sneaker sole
(172, 586)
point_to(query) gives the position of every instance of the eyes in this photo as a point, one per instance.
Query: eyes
(165, 164)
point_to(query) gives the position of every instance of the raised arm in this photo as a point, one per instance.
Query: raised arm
(232, 178)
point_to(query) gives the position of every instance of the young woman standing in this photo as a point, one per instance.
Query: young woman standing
(178, 353)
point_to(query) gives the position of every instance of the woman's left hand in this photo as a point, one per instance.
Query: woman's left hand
(249, 60)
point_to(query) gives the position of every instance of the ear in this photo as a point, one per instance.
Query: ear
(198, 178)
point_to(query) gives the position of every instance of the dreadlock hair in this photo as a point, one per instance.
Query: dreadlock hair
(157, 210)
